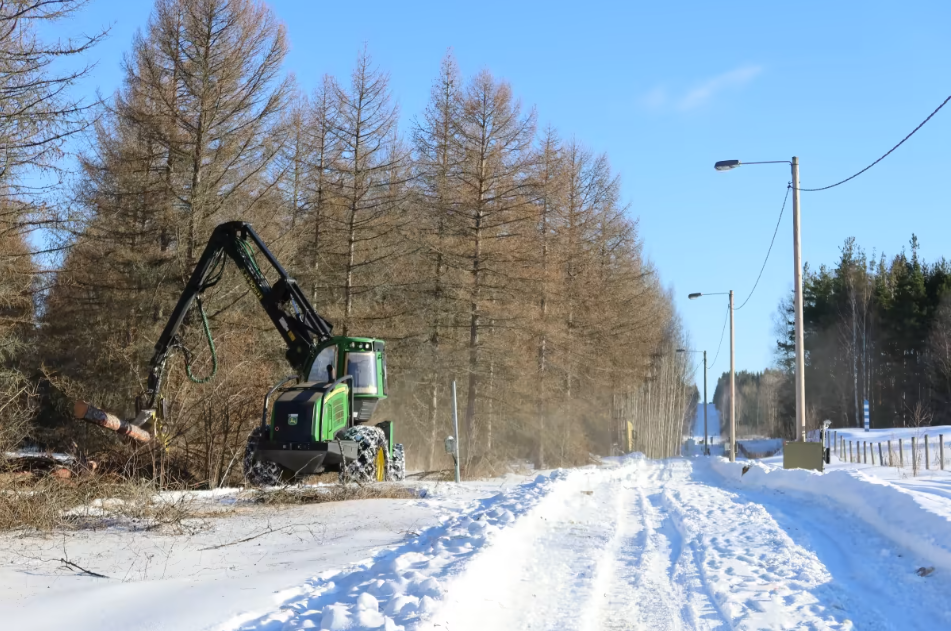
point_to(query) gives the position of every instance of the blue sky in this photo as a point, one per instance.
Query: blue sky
(667, 89)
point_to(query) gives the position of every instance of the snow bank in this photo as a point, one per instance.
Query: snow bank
(891, 511)
(400, 587)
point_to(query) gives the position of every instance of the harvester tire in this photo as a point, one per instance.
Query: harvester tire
(396, 467)
(259, 472)
(370, 442)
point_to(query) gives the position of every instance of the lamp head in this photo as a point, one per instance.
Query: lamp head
(694, 296)
(726, 165)
(681, 350)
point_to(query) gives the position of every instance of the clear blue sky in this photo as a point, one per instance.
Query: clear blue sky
(666, 89)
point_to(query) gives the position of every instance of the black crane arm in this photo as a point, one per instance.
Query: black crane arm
(302, 328)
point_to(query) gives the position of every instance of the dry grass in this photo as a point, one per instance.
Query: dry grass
(332, 493)
(91, 501)
(48, 503)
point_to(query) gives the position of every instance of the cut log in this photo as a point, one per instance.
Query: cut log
(90, 414)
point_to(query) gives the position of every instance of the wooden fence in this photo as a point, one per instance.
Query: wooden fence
(925, 454)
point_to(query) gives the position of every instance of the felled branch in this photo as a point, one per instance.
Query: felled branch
(83, 570)
(88, 413)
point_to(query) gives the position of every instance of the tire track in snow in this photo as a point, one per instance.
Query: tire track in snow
(756, 575)
(610, 558)
(643, 592)
(541, 573)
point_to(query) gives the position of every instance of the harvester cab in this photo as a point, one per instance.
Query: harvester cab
(321, 421)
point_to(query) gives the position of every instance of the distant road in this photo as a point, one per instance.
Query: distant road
(713, 423)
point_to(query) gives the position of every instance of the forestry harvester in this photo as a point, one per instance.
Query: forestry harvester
(320, 417)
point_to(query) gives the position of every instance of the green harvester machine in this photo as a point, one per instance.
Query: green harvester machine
(319, 418)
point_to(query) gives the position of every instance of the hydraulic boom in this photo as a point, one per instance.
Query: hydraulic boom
(302, 328)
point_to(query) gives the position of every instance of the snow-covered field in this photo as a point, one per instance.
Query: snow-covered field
(687, 543)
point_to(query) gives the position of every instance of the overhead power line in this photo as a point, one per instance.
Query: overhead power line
(825, 188)
(778, 221)
(710, 366)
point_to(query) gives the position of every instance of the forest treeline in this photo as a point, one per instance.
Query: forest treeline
(876, 329)
(484, 247)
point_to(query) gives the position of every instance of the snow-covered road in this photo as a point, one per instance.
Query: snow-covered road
(663, 546)
(681, 544)
(640, 545)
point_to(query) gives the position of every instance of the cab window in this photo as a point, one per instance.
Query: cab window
(362, 367)
(324, 367)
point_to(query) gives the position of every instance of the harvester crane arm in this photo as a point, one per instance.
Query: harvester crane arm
(302, 328)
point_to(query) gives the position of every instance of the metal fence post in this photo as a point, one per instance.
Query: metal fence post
(941, 450)
(927, 466)
(455, 426)
(901, 453)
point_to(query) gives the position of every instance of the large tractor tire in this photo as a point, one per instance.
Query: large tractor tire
(370, 464)
(259, 472)
(396, 470)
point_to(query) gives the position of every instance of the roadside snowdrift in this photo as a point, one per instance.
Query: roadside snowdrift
(893, 512)
(400, 587)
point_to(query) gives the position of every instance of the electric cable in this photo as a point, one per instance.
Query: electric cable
(775, 232)
(825, 188)
(710, 365)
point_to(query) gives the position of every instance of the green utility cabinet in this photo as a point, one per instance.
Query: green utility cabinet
(797, 455)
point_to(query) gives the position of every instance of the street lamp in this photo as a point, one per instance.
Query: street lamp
(726, 165)
(706, 434)
(732, 373)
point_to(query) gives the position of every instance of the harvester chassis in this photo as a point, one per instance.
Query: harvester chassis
(307, 458)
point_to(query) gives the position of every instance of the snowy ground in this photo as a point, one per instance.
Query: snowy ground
(204, 575)
(688, 543)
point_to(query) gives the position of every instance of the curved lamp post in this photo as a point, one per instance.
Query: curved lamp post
(726, 165)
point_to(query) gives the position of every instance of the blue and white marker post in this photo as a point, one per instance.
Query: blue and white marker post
(866, 415)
